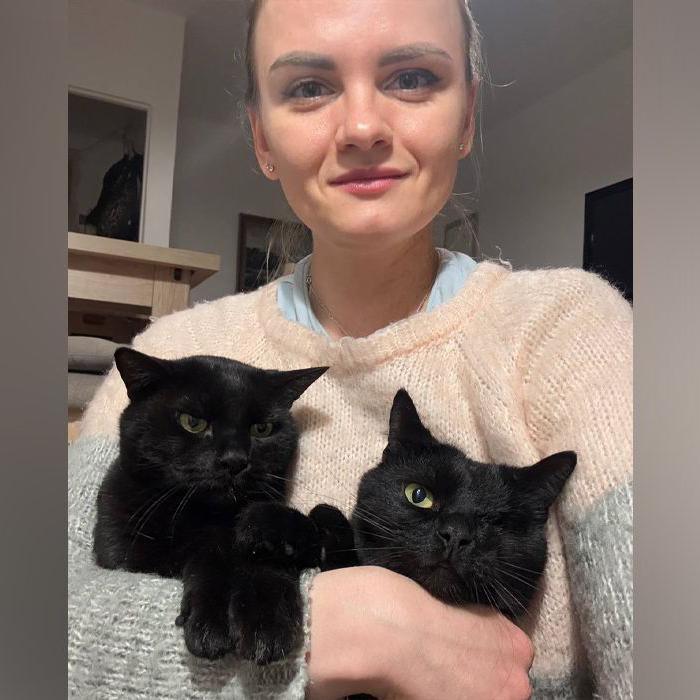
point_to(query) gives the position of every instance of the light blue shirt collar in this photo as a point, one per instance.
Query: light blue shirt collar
(293, 296)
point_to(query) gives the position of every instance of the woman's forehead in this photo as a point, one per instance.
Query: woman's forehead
(367, 27)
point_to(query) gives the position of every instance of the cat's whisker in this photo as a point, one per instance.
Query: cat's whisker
(138, 528)
(152, 505)
(476, 591)
(375, 535)
(382, 528)
(401, 550)
(458, 597)
(373, 518)
(183, 503)
(499, 597)
(513, 597)
(266, 490)
(522, 568)
(516, 578)
(323, 497)
(368, 514)
(493, 603)
(145, 506)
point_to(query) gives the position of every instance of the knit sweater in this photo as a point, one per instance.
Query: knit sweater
(516, 366)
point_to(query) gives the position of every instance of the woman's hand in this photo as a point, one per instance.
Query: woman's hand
(375, 631)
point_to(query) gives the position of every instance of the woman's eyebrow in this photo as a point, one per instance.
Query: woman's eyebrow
(323, 62)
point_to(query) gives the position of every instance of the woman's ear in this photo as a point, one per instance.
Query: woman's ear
(262, 151)
(470, 121)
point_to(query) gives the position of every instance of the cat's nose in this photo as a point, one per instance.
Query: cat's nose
(234, 461)
(455, 535)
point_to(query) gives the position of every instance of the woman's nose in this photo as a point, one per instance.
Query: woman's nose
(362, 124)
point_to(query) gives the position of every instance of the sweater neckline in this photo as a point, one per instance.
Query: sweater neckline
(397, 339)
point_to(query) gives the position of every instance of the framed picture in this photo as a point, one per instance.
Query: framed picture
(107, 156)
(260, 246)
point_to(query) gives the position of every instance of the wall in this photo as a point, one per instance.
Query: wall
(122, 50)
(536, 168)
(216, 174)
(538, 165)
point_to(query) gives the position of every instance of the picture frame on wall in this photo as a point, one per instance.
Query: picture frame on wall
(260, 249)
(107, 158)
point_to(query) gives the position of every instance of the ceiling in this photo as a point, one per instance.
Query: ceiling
(535, 47)
(532, 47)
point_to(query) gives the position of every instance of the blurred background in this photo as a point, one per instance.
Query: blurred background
(549, 183)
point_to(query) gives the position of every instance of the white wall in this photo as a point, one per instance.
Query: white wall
(538, 165)
(216, 174)
(536, 168)
(128, 52)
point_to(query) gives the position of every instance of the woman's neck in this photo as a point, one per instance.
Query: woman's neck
(356, 290)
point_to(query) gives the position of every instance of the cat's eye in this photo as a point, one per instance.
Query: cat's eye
(261, 430)
(192, 424)
(419, 496)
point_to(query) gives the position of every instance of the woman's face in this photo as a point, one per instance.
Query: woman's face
(356, 85)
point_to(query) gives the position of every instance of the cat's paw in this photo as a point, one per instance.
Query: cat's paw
(266, 616)
(206, 629)
(276, 535)
(336, 536)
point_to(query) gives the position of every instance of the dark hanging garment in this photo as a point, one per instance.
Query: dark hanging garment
(118, 209)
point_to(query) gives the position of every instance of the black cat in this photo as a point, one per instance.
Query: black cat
(202, 440)
(468, 532)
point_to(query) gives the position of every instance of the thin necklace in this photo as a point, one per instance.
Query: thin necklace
(311, 291)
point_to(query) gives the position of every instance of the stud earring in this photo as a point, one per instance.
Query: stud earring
(270, 168)
(461, 146)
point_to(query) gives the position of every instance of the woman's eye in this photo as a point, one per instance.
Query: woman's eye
(414, 80)
(419, 496)
(192, 424)
(261, 430)
(307, 90)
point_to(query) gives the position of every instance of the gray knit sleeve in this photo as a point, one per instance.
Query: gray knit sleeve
(579, 397)
(123, 642)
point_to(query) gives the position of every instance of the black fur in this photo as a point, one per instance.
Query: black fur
(483, 539)
(180, 504)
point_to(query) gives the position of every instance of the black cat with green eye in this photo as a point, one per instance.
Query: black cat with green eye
(469, 532)
(202, 438)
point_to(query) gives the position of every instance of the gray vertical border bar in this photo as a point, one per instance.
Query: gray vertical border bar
(33, 218)
(667, 348)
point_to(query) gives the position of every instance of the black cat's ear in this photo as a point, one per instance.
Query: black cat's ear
(548, 476)
(405, 425)
(293, 383)
(139, 372)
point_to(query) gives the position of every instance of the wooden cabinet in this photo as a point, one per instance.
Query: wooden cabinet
(115, 287)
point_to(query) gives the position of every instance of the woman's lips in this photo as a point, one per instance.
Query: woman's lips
(376, 185)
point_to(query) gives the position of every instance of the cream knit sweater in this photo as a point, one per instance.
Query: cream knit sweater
(516, 366)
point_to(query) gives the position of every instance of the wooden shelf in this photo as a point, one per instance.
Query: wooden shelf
(125, 283)
(200, 265)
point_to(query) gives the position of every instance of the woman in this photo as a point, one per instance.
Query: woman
(362, 110)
